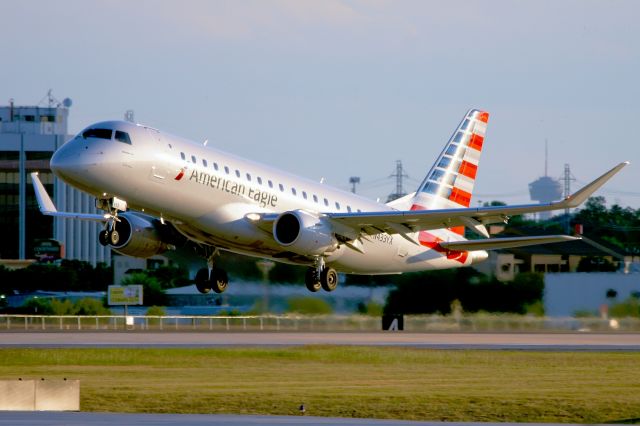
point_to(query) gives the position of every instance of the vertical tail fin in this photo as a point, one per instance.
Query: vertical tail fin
(449, 183)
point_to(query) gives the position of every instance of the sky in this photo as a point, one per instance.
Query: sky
(333, 89)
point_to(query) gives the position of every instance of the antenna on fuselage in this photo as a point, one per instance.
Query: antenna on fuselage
(205, 142)
(129, 116)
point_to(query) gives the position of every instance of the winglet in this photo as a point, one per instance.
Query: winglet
(581, 196)
(44, 201)
(49, 209)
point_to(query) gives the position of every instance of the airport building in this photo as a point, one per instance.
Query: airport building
(28, 137)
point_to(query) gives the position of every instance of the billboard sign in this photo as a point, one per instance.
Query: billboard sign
(125, 295)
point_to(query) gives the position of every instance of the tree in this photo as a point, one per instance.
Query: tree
(153, 294)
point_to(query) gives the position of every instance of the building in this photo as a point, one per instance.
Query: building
(28, 137)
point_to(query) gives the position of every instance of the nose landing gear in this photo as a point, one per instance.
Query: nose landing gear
(109, 235)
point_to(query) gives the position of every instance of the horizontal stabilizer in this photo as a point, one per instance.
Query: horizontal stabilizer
(503, 243)
(49, 209)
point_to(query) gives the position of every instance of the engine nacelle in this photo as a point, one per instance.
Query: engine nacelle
(139, 236)
(304, 233)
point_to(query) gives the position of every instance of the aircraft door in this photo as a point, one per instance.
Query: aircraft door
(159, 161)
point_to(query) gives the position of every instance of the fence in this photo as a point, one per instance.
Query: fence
(412, 323)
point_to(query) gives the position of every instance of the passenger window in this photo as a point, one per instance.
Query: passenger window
(193, 159)
(315, 198)
(270, 184)
(293, 191)
(215, 166)
(349, 209)
(237, 173)
(304, 194)
(248, 177)
(97, 133)
(184, 157)
(226, 169)
(281, 187)
(359, 211)
(204, 162)
(123, 137)
(259, 180)
(326, 202)
(337, 205)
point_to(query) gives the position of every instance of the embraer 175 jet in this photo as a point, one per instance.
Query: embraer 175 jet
(183, 193)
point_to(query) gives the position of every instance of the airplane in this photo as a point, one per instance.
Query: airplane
(161, 193)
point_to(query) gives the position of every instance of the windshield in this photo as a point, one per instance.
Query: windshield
(97, 133)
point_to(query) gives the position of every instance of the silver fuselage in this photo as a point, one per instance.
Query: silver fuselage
(207, 194)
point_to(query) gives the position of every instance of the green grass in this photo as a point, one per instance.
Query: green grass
(375, 382)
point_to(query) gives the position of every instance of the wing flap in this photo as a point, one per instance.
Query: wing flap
(503, 243)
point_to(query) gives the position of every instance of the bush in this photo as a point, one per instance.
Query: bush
(630, 308)
(86, 306)
(38, 306)
(309, 305)
(370, 308)
(156, 311)
(89, 306)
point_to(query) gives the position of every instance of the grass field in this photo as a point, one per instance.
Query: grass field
(375, 382)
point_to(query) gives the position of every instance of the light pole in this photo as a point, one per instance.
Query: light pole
(265, 266)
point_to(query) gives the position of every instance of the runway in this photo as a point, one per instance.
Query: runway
(109, 419)
(488, 341)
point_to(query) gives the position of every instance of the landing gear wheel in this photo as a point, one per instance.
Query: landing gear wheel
(329, 279)
(219, 280)
(114, 237)
(103, 237)
(311, 280)
(202, 281)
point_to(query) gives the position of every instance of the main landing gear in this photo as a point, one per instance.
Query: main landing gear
(320, 276)
(211, 278)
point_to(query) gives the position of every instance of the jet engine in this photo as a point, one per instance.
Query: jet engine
(138, 236)
(304, 233)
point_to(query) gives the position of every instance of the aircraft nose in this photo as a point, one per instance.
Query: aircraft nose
(65, 162)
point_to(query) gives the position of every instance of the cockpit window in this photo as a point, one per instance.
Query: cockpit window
(97, 133)
(123, 137)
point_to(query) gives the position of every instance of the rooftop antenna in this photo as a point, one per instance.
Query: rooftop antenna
(546, 155)
(353, 180)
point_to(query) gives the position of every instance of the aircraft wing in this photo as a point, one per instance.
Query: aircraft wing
(405, 222)
(49, 209)
(502, 243)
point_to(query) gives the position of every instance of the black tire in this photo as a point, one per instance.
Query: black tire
(202, 281)
(329, 279)
(114, 237)
(103, 237)
(219, 280)
(310, 280)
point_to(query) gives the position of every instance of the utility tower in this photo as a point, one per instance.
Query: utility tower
(399, 175)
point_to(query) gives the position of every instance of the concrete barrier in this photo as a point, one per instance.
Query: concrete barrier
(40, 395)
